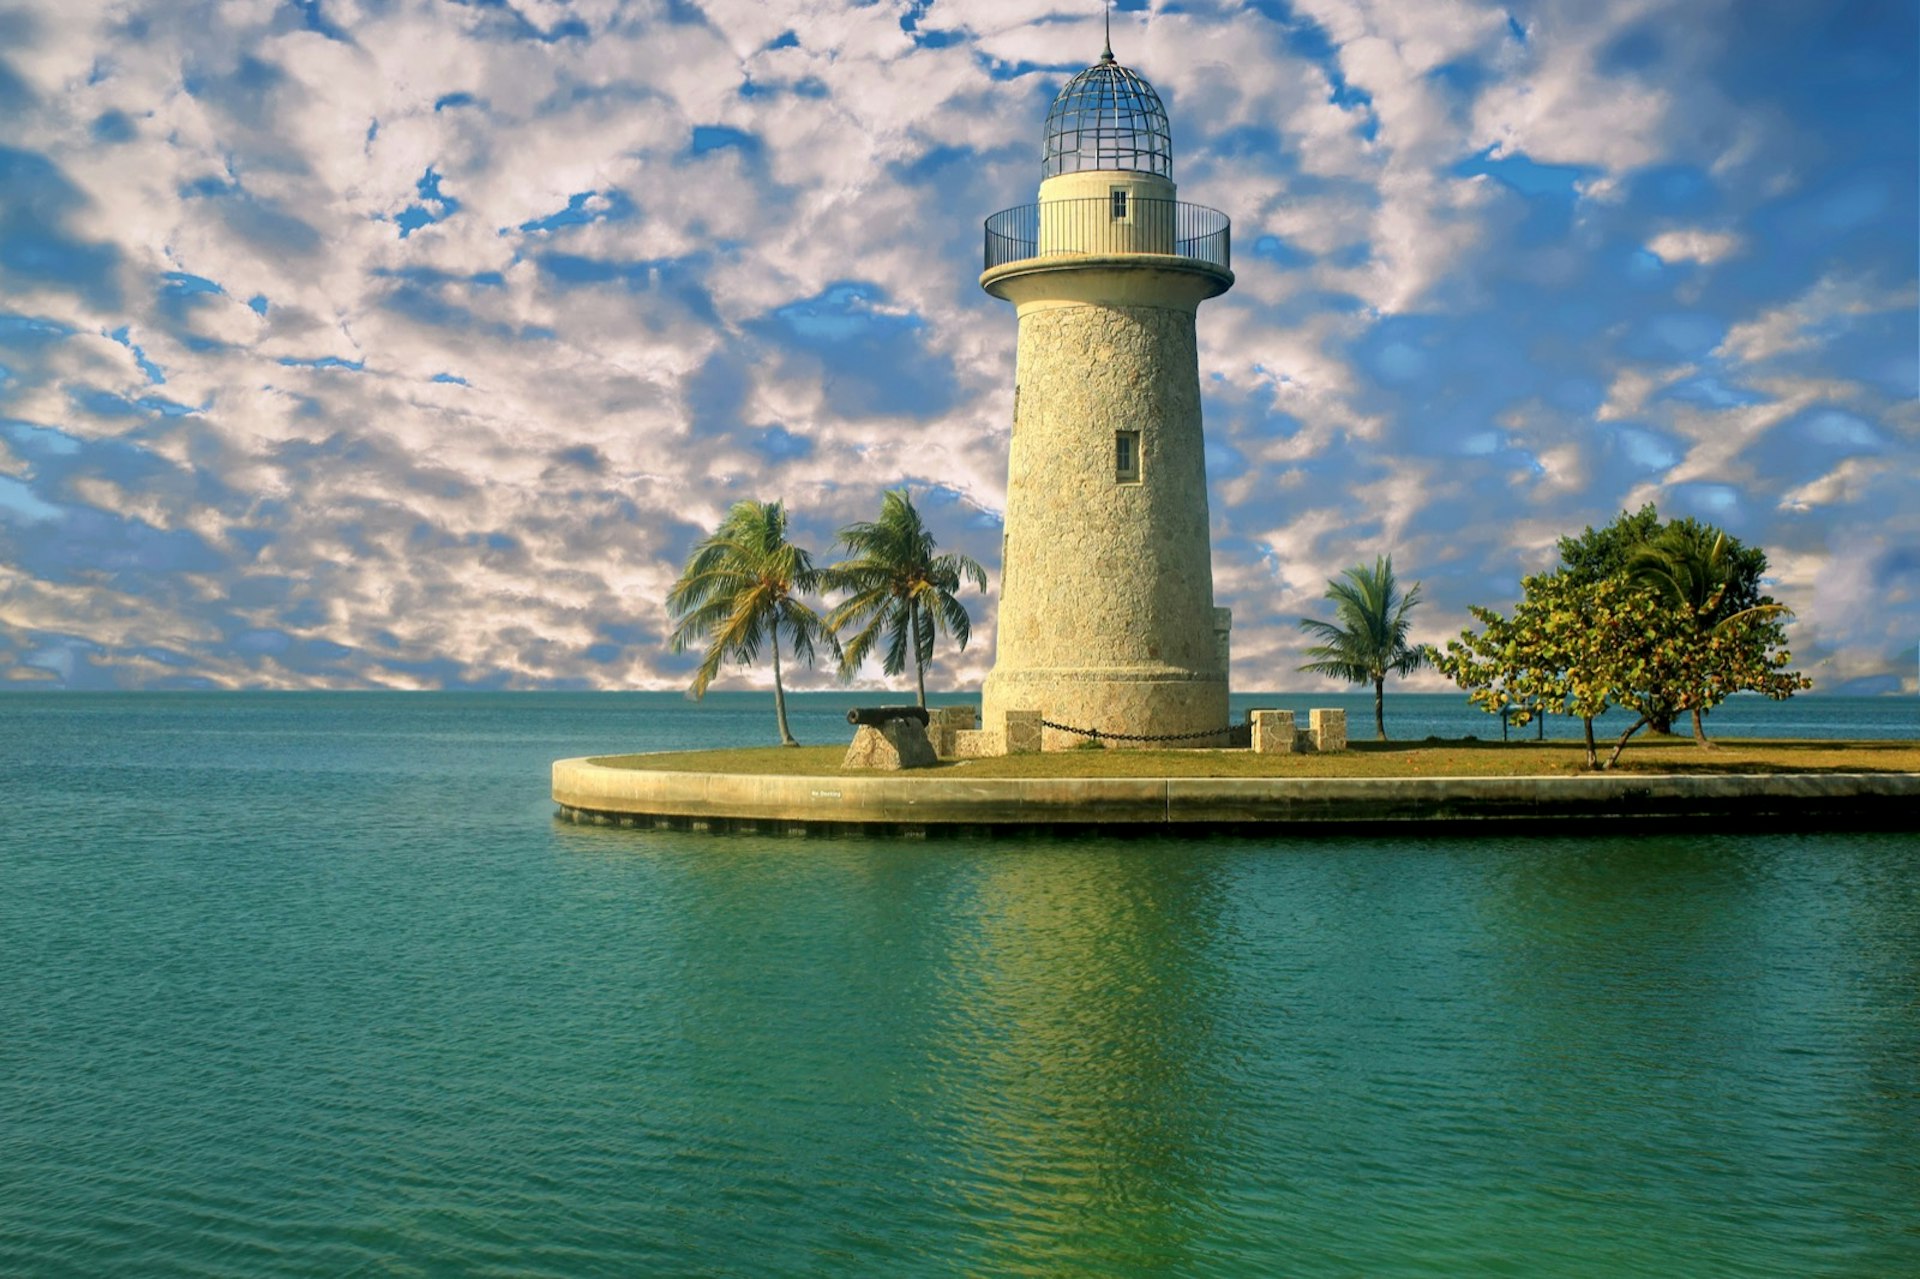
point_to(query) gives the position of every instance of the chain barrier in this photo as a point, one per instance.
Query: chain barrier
(1100, 736)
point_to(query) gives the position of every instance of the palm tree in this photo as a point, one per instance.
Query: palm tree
(1694, 568)
(899, 590)
(740, 588)
(1370, 641)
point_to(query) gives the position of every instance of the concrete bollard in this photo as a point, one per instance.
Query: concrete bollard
(1329, 729)
(1272, 732)
(978, 743)
(1021, 732)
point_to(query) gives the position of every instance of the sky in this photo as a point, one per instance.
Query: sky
(414, 344)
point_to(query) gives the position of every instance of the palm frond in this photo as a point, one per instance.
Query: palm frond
(738, 586)
(1368, 638)
(893, 577)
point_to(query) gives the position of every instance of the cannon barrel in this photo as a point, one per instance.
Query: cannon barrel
(876, 716)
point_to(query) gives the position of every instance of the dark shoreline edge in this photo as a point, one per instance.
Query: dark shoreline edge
(588, 793)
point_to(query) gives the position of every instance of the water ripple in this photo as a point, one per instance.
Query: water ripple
(318, 987)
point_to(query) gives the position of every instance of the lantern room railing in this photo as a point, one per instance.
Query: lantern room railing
(1105, 225)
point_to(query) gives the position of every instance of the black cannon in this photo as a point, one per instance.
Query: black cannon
(880, 716)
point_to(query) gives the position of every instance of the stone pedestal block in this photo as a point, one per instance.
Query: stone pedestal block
(978, 743)
(1329, 728)
(1272, 732)
(946, 723)
(900, 743)
(1021, 732)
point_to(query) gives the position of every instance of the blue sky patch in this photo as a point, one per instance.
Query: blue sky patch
(721, 137)
(36, 250)
(313, 16)
(1280, 253)
(1647, 450)
(186, 284)
(779, 444)
(112, 127)
(434, 206)
(1709, 392)
(611, 205)
(1000, 69)
(154, 373)
(41, 441)
(1519, 172)
(324, 362)
(873, 360)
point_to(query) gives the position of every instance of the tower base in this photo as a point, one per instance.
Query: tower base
(1172, 708)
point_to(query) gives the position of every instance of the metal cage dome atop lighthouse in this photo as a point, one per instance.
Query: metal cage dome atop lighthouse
(1108, 119)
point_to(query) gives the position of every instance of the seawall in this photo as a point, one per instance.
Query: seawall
(910, 803)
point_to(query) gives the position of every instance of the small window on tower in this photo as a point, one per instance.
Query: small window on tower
(1126, 457)
(1119, 204)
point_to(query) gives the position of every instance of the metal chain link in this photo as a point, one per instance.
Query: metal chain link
(1100, 736)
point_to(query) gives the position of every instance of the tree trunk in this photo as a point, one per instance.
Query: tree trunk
(780, 693)
(1700, 731)
(1593, 753)
(1622, 743)
(1660, 720)
(919, 667)
(1379, 707)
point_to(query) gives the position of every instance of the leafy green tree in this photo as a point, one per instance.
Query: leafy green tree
(1586, 646)
(1369, 641)
(900, 593)
(1566, 647)
(1702, 574)
(739, 590)
(1604, 552)
(1621, 545)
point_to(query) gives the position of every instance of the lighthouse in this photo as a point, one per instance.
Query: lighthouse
(1106, 620)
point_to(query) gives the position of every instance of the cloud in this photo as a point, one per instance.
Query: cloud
(415, 344)
(1703, 247)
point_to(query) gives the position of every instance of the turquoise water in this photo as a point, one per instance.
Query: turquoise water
(315, 985)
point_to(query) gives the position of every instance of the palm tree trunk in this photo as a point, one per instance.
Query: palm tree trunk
(780, 693)
(1379, 707)
(919, 667)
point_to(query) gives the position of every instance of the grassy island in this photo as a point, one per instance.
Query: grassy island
(1430, 758)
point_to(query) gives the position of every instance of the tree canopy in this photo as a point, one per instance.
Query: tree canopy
(1701, 572)
(1578, 647)
(1603, 552)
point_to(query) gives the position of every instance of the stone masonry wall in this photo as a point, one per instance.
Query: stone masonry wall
(1106, 613)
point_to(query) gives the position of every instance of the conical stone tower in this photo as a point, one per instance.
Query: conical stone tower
(1106, 617)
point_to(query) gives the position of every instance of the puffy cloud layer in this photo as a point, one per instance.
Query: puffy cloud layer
(411, 343)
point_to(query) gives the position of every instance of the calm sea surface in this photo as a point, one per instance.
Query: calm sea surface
(315, 985)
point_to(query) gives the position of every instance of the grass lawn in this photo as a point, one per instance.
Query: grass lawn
(1432, 758)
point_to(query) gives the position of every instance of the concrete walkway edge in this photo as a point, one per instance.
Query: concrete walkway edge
(587, 791)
